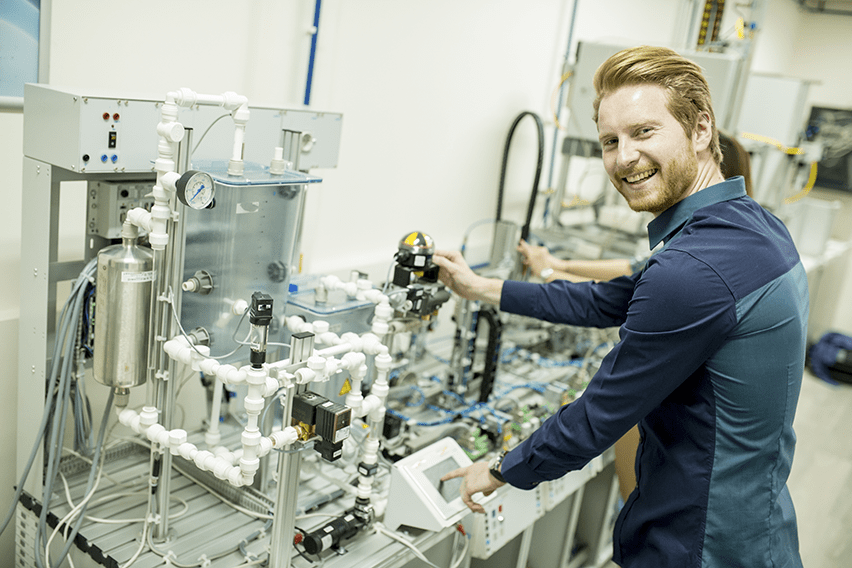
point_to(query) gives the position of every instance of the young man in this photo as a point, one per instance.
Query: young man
(712, 340)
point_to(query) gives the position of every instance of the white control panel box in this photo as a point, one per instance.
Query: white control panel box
(90, 132)
(556, 491)
(418, 498)
(508, 512)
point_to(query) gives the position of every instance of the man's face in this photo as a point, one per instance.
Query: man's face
(646, 153)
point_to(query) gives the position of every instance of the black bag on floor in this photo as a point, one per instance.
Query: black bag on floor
(830, 358)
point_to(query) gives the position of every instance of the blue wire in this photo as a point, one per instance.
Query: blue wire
(559, 109)
(422, 397)
(313, 53)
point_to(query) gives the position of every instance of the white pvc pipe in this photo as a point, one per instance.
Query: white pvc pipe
(212, 437)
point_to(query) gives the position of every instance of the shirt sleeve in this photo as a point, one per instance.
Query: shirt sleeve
(680, 313)
(588, 304)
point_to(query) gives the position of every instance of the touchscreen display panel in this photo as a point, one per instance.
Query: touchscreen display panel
(449, 490)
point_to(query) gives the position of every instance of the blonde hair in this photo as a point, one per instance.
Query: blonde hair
(682, 79)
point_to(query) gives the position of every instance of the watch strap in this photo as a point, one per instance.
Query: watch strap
(494, 467)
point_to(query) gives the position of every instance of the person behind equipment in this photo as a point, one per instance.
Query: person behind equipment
(712, 346)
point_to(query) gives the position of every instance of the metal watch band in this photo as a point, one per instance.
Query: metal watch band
(494, 467)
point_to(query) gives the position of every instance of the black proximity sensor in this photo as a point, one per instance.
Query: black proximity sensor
(261, 309)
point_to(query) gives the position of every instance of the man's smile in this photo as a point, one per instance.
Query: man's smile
(640, 177)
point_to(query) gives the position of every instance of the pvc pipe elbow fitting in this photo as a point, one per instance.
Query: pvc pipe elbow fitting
(254, 376)
(327, 338)
(354, 340)
(148, 416)
(212, 438)
(127, 415)
(203, 460)
(362, 286)
(139, 217)
(169, 181)
(171, 131)
(236, 377)
(317, 364)
(378, 414)
(249, 466)
(284, 437)
(353, 360)
(270, 387)
(209, 366)
(154, 432)
(239, 307)
(384, 311)
(265, 446)
(253, 405)
(221, 468)
(235, 477)
(232, 100)
(305, 376)
(187, 451)
(295, 324)
(384, 361)
(177, 437)
(380, 328)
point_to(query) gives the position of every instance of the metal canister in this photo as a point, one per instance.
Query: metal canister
(122, 311)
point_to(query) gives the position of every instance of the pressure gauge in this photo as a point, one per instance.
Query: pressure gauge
(195, 189)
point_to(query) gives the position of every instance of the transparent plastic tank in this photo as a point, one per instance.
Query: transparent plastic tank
(246, 242)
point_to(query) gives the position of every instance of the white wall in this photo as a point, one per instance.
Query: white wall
(428, 91)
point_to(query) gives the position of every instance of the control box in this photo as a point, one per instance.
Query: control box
(418, 498)
(107, 204)
(555, 491)
(508, 512)
(111, 132)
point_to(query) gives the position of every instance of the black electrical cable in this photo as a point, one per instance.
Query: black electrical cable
(525, 230)
(492, 351)
(301, 553)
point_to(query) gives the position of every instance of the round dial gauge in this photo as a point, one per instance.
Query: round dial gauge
(195, 189)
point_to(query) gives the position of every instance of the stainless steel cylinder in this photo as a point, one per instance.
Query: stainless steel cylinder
(122, 311)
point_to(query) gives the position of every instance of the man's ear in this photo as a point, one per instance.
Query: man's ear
(702, 135)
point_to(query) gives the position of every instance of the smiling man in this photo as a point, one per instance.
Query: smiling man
(712, 343)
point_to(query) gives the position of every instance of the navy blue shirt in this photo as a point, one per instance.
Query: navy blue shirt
(709, 365)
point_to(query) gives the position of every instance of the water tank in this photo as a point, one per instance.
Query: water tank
(122, 310)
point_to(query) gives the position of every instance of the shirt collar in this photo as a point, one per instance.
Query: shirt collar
(667, 223)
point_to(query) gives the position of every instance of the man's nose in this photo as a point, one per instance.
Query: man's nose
(628, 154)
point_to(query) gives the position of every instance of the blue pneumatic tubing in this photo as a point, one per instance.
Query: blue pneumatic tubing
(313, 53)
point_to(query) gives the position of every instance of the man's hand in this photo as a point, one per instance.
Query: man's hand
(457, 275)
(475, 479)
(537, 258)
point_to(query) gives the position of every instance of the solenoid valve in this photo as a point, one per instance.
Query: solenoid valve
(328, 420)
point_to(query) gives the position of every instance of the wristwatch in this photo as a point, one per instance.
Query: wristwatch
(494, 466)
(545, 273)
